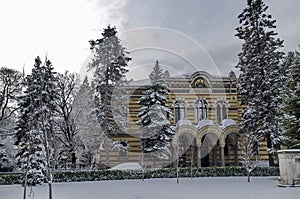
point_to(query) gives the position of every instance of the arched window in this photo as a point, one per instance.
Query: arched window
(201, 108)
(221, 110)
(179, 110)
(224, 112)
(218, 113)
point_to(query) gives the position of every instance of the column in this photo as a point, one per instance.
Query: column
(215, 160)
(107, 152)
(222, 145)
(175, 156)
(236, 154)
(199, 156)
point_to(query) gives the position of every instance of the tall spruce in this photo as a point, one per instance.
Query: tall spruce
(261, 74)
(155, 114)
(35, 127)
(291, 119)
(109, 64)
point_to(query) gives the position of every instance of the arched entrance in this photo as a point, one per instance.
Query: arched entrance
(231, 149)
(184, 145)
(209, 137)
(208, 150)
(186, 150)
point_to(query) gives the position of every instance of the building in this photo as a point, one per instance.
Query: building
(206, 111)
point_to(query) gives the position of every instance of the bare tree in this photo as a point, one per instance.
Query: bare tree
(10, 88)
(68, 84)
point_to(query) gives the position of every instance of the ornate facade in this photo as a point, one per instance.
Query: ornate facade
(206, 112)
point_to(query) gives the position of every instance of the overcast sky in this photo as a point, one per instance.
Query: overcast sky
(188, 34)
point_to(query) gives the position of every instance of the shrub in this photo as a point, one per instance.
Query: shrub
(79, 176)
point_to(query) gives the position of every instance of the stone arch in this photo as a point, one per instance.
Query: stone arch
(209, 129)
(231, 129)
(201, 74)
(181, 130)
(233, 144)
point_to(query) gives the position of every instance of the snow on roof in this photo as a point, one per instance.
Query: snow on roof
(183, 122)
(227, 122)
(289, 151)
(204, 122)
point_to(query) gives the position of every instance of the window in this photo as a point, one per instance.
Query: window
(219, 114)
(221, 111)
(224, 112)
(180, 110)
(201, 107)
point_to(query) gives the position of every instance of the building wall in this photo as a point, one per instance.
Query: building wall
(199, 85)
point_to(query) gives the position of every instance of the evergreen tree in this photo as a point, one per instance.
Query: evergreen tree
(35, 133)
(261, 73)
(110, 67)
(155, 114)
(291, 119)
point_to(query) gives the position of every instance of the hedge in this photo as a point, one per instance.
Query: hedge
(79, 176)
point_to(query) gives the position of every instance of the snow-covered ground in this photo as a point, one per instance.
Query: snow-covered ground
(204, 188)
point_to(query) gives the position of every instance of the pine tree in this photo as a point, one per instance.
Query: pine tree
(35, 128)
(110, 67)
(155, 114)
(261, 73)
(291, 119)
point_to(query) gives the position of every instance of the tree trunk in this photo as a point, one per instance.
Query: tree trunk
(73, 159)
(143, 165)
(24, 194)
(269, 146)
(248, 176)
(50, 190)
(177, 166)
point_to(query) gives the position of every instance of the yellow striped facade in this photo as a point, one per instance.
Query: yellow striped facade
(200, 150)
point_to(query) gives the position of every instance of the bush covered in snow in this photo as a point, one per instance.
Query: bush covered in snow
(79, 176)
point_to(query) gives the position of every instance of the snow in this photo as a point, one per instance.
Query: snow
(205, 188)
(183, 122)
(127, 166)
(227, 122)
(289, 151)
(204, 122)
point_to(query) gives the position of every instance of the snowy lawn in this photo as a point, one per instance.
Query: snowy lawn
(204, 188)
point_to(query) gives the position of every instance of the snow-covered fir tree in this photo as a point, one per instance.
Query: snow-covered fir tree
(67, 89)
(291, 118)
(261, 73)
(109, 64)
(35, 126)
(155, 114)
